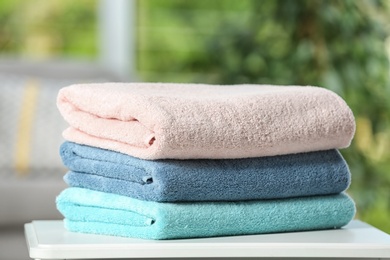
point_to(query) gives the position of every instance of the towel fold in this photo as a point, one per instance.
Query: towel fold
(190, 121)
(293, 175)
(96, 212)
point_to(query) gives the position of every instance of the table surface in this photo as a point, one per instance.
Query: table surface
(49, 240)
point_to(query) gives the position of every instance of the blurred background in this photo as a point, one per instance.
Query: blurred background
(342, 45)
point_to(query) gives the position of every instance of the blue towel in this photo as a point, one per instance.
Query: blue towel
(294, 175)
(97, 212)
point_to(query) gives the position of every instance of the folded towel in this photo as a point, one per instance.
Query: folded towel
(188, 121)
(293, 175)
(104, 213)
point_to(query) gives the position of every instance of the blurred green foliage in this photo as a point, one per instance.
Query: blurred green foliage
(43, 29)
(341, 45)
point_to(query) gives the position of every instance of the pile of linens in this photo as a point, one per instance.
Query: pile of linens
(165, 161)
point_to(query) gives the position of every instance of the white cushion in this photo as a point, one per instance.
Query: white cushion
(31, 170)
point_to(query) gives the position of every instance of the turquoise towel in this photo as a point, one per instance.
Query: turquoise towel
(293, 175)
(97, 212)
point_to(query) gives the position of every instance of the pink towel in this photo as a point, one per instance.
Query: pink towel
(189, 121)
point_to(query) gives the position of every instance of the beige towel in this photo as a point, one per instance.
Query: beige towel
(189, 121)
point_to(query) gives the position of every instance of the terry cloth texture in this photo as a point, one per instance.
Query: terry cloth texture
(96, 212)
(191, 121)
(293, 175)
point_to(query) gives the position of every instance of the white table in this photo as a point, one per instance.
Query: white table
(358, 240)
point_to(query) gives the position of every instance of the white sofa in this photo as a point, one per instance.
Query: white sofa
(31, 170)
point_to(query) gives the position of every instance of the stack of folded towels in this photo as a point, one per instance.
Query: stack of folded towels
(164, 161)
